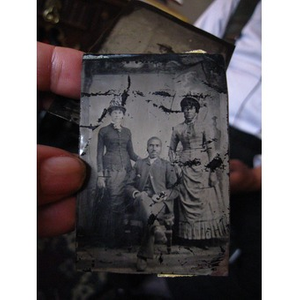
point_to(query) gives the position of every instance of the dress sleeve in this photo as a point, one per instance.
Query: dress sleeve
(133, 156)
(100, 151)
(174, 140)
(131, 182)
(173, 145)
(171, 180)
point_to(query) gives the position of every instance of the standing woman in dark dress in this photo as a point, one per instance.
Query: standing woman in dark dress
(114, 155)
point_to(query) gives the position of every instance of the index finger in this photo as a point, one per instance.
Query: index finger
(59, 70)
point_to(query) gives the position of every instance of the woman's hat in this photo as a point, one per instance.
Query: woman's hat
(116, 103)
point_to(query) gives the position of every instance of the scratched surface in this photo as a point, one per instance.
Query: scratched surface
(151, 88)
(182, 260)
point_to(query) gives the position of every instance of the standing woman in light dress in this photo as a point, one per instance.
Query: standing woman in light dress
(201, 215)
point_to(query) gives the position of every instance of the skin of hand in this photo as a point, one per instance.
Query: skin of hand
(101, 182)
(171, 155)
(139, 195)
(212, 179)
(60, 174)
(222, 268)
(243, 178)
(158, 198)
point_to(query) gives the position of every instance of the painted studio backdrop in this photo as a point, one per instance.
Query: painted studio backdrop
(150, 90)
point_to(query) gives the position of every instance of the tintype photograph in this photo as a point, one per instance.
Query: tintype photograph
(154, 134)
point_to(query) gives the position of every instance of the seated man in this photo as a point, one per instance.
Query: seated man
(152, 185)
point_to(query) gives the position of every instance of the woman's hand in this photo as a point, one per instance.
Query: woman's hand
(101, 182)
(172, 155)
(213, 179)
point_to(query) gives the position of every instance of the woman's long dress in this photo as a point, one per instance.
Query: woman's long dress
(114, 154)
(202, 211)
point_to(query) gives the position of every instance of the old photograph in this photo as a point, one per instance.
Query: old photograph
(154, 135)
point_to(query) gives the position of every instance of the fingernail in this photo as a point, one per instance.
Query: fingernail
(62, 175)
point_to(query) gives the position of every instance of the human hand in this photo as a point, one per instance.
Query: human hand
(58, 71)
(178, 169)
(222, 268)
(159, 198)
(172, 155)
(140, 195)
(60, 174)
(213, 179)
(101, 182)
(243, 178)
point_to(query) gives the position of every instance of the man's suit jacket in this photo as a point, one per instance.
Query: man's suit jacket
(161, 174)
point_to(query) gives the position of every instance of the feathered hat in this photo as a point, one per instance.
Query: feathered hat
(116, 103)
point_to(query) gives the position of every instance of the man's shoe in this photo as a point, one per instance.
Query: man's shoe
(141, 264)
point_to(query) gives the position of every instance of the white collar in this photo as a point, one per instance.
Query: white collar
(152, 160)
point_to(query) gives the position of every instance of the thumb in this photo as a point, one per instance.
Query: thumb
(60, 174)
